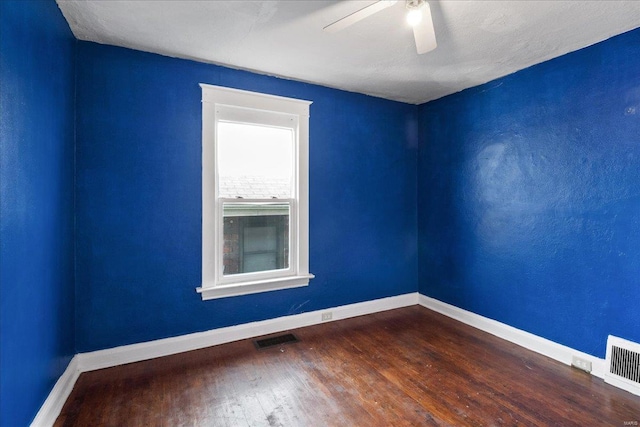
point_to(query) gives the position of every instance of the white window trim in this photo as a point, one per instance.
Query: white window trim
(214, 284)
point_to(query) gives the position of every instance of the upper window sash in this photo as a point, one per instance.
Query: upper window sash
(232, 115)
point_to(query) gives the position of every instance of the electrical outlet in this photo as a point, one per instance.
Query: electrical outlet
(327, 315)
(579, 363)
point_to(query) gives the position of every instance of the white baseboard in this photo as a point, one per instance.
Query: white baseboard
(51, 407)
(524, 339)
(164, 347)
(100, 359)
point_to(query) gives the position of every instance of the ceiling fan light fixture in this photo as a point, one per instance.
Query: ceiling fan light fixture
(414, 17)
(414, 14)
(418, 17)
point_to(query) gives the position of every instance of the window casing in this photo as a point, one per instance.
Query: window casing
(253, 239)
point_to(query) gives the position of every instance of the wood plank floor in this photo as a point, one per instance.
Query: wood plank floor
(404, 367)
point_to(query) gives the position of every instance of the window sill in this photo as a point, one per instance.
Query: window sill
(246, 288)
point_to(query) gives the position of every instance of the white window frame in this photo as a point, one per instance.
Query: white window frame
(221, 103)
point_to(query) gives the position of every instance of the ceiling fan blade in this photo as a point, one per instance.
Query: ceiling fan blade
(359, 15)
(424, 32)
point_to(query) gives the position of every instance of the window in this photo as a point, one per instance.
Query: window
(255, 210)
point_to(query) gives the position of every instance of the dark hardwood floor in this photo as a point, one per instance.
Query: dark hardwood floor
(407, 367)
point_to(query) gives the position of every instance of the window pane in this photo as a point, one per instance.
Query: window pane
(260, 239)
(260, 262)
(254, 161)
(256, 237)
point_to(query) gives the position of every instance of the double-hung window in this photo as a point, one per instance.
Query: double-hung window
(255, 232)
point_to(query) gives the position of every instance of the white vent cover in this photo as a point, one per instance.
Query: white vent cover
(623, 364)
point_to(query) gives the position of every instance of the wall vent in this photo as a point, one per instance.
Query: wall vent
(623, 364)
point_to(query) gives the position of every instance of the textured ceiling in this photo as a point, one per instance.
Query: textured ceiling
(478, 41)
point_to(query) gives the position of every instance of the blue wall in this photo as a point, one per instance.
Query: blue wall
(139, 208)
(36, 205)
(529, 197)
(518, 200)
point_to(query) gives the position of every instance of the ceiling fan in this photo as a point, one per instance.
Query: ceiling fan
(418, 17)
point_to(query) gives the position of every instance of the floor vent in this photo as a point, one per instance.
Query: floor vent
(274, 341)
(623, 364)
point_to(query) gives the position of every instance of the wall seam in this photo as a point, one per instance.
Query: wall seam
(75, 194)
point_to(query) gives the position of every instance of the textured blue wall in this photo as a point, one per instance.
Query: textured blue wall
(529, 197)
(139, 209)
(36, 205)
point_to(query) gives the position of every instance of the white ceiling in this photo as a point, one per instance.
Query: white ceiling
(478, 41)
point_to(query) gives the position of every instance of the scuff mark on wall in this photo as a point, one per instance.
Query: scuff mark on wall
(295, 309)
